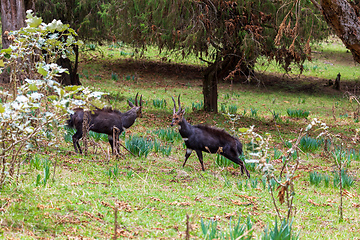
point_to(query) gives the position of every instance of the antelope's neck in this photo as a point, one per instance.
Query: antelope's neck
(128, 118)
(185, 128)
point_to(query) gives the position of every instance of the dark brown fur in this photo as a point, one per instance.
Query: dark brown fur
(203, 138)
(104, 121)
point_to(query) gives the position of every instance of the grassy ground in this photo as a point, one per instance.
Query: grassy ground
(154, 194)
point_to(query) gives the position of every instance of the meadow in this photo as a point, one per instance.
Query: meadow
(63, 195)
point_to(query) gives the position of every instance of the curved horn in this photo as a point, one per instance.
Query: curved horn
(174, 110)
(136, 102)
(179, 103)
(141, 101)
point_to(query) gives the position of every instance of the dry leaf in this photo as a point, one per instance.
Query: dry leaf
(229, 215)
(281, 194)
(356, 205)
(313, 203)
(236, 202)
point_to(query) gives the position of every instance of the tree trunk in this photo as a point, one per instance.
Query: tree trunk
(341, 16)
(210, 88)
(12, 18)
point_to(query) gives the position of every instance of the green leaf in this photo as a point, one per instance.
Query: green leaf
(72, 88)
(243, 130)
(97, 103)
(42, 71)
(52, 97)
(33, 87)
(2, 109)
(34, 21)
(6, 51)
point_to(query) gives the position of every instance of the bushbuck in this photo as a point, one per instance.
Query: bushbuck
(201, 138)
(104, 120)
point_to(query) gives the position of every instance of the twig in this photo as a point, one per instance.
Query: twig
(341, 198)
(187, 237)
(127, 149)
(274, 201)
(115, 228)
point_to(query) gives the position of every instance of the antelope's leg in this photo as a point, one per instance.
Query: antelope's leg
(110, 138)
(76, 144)
(187, 155)
(200, 156)
(237, 160)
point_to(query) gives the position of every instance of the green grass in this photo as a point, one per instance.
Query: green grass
(328, 59)
(155, 193)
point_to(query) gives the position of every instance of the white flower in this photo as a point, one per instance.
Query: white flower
(78, 102)
(96, 94)
(22, 98)
(36, 96)
(29, 130)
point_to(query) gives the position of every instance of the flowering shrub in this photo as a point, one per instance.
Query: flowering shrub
(32, 114)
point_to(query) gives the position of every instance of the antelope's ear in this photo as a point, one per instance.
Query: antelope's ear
(182, 112)
(131, 104)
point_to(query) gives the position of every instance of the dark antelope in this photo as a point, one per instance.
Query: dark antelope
(207, 139)
(104, 120)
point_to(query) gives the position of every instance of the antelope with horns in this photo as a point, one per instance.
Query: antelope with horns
(104, 121)
(202, 138)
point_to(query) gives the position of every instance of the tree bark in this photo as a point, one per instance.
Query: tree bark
(12, 18)
(341, 16)
(210, 88)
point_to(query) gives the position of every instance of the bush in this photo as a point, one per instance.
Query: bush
(309, 144)
(236, 231)
(168, 135)
(139, 146)
(283, 232)
(159, 103)
(346, 180)
(222, 161)
(232, 109)
(197, 106)
(32, 114)
(315, 178)
(297, 113)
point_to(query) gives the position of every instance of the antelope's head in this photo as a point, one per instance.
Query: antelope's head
(137, 107)
(177, 115)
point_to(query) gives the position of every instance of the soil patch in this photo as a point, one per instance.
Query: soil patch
(182, 73)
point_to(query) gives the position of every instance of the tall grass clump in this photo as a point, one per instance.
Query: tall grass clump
(98, 136)
(315, 178)
(232, 109)
(43, 164)
(276, 115)
(114, 77)
(222, 161)
(222, 108)
(309, 144)
(69, 132)
(168, 135)
(197, 106)
(159, 147)
(297, 113)
(354, 155)
(159, 103)
(139, 146)
(282, 232)
(346, 180)
(237, 231)
(253, 112)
